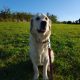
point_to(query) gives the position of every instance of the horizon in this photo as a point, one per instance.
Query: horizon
(64, 10)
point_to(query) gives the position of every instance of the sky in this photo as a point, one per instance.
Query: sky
(64, 9)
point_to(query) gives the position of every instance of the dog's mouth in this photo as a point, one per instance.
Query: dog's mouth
(42, 27)
(41, 30)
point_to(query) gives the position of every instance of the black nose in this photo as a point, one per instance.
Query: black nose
(43, 24)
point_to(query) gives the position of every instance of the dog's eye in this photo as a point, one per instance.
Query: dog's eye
(38, 18)
(46, 18)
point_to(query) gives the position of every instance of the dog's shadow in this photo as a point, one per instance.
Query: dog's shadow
(21, 71)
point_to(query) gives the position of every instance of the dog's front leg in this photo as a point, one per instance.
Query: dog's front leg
(45, 67)
(36, 72)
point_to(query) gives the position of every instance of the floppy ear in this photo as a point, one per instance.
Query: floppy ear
(31, 25)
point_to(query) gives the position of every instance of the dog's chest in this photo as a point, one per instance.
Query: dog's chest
(39, 52)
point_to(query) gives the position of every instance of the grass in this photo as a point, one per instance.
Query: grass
(66, 44)
(14, 51)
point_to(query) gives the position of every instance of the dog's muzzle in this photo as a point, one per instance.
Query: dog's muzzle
(42, 27)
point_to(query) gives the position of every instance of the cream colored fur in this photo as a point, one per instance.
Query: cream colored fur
(39, 49)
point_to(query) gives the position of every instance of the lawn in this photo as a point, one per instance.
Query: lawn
(15, 63)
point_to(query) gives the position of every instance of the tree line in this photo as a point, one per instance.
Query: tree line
(7, 15)
(71, 22)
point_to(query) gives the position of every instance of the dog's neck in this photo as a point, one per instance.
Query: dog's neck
(41, 39)
(43, 42)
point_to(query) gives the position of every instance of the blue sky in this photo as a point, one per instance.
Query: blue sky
(63, 9)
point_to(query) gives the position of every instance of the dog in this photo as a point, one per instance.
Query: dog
(40, 31)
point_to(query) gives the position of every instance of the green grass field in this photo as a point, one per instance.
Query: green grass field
(14, 51)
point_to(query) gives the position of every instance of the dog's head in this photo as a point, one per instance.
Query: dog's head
(40, 25)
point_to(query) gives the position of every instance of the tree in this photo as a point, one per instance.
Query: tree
(79, 21)
(76, 22)
(5, 14)
(69, 22)
(52, 17)
(64, 22)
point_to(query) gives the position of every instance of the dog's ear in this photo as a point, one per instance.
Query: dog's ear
(50, 24)
(31, 25)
